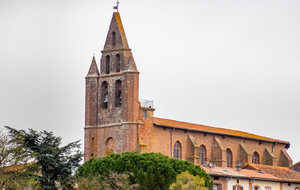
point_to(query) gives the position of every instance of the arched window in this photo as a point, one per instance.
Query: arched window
(202, 154)
(229, 157)
(107, 62)
(104, 95)
(118, 63)
(237, 187)
(269, 188)
(110, 146)
(177, 150)
(118, 91)
(255, 158)
(113, 38)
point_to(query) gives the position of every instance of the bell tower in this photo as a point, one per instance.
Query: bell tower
(112, 102)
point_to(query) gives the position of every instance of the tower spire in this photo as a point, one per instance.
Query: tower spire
(112, 97)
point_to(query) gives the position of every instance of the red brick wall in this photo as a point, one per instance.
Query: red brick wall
(158, 139)
(127, 129)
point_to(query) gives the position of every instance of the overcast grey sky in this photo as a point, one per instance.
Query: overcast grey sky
(231, 64)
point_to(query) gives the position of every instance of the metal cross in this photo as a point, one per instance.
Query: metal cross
(117, 7)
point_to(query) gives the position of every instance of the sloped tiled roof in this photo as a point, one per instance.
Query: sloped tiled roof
(283, 173)
(18, 167)
(296, 167)
(220, 171)
(208, 129)
(244, 173)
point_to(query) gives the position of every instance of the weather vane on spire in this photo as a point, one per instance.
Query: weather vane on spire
(117, 6)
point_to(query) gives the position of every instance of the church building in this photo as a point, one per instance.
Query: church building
(117, 121)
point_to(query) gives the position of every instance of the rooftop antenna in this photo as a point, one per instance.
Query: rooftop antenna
(117, 6)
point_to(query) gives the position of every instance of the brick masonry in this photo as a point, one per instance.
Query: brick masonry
(115, 121)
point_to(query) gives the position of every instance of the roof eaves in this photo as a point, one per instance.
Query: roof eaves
(194, 130)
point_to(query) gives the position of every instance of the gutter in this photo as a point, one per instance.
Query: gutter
(253, 179)
(227, 181)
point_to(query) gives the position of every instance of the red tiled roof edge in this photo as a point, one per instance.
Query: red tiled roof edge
(213, 130)
(18, 167)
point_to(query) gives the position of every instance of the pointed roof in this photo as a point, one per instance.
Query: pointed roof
(93, 71)
(116, 26)
(208, 129)
(296, 167)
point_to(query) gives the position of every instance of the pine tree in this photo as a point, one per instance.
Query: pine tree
(57, 163)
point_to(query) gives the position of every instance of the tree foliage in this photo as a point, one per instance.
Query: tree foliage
(152, 171)
(112, 181)
(186, 181)
(15, 168)
(55, 161)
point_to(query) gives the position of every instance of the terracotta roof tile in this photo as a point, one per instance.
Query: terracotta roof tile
(18, 167)
(209, 129)
(283, 173)
(244, 173)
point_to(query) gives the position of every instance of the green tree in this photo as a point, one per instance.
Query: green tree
(57, 163)
(15, 168)
(113, 181)
(152, 171)
(186, 181)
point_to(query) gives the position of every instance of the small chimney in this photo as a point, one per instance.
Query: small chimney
(238, 166)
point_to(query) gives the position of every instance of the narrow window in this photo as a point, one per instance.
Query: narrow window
(104, 95)
(118, 63)
(177, 150)
(202, 154)
(113, 38)
(217, 186)
(110, 146)
(229, 158)
(118, 91)
(107, 61)
(255, 158)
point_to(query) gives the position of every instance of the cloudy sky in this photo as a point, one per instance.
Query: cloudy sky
(232, 64)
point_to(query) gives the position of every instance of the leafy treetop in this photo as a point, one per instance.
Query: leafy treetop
(152, 171)
(57, 162)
